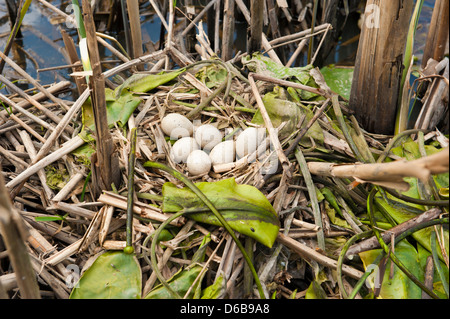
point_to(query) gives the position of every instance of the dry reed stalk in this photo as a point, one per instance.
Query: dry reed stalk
(265, 43)
(135, 27)
(256, 26)
(25, 112)
(139, 208)
(268, 124)
(29, 146)
(306, 252)
(373, 243)
(197, 18)
(388, 174)
(160, 15)
(14, 234)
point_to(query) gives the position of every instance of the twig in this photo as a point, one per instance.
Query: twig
(268, 124)
(307, 252)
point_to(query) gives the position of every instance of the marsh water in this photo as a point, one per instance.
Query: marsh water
(41, 44)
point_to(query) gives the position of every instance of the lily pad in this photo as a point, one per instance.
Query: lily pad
(244, 207)
(113, 275)
(399, 286)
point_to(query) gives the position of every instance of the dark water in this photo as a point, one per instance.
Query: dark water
(41, 44)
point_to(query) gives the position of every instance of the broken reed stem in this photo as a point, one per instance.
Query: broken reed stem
(32, 81)
(197, 18)
(14, 237)
(228, 30)
(307, 252)
(40, 161)
(135, 27)
(273, 134)
(394, 172)
(256, 26)
(372, 243)
(105, 170)
(51, 115)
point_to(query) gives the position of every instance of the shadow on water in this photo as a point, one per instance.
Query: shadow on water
(41, 46)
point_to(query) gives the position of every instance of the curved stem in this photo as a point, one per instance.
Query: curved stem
(388, 251)
(399, 238)
(219, 216)
(342, 257)
(153, 262)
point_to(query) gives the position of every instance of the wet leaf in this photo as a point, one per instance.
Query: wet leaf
(244, 207)
(216, 290)
(338, 79)
(400, 286)
(212, 75)
(315, 291)
(180, 283)
(113, 275)
(280, 110)
(261, 64)
(141, 83)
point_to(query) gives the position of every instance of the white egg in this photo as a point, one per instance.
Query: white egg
(198, 162)
(223, 153)
(207, 136)
(249, 140)
(176, 126)
(182, 148)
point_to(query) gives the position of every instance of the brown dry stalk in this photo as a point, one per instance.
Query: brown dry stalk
(388, 174)
(372, 243)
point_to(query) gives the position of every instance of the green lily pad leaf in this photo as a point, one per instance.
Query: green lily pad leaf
(180, 283)
(399, 286)
(141, 83)
(113, 275)
(338, 79)
(244, 207)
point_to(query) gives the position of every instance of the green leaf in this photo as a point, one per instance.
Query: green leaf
(216, 290)
(180, 283)
(280, 110)
(400, 286)
(400, 214)
(339, 80)
(261, 64)
(141, 83)
(244, 207)
(315, 291)
(117, 111)
(113, 275)
(50, 218)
